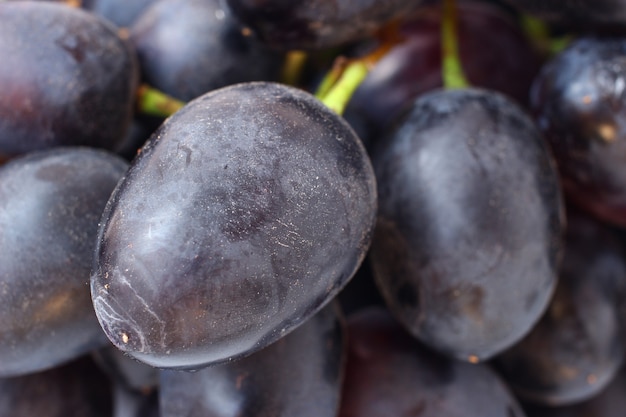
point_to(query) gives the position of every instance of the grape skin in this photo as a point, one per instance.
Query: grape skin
(233, 229)
(470, 223)
(579, 103)
(247, 211)
(189, 47)
(50, 205)
(83, 95)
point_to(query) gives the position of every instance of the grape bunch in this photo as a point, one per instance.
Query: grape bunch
(320, 208)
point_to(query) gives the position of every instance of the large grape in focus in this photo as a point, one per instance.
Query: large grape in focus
(246, 212)
(470, 222)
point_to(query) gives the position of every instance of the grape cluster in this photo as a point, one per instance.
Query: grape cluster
(370, 208)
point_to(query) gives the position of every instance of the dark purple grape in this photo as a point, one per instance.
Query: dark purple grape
(470, 222)
(189, 47)
(578, 346)
(317, 24)
(580, 103)
(75, 389)
(389, 373)
(70, 79)
(50, 205)
(299, 375)
(494, 52)
(247, 211)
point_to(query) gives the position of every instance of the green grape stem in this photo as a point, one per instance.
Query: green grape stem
(331, 77)
(153, 102)
(452, 70)
(346, 75)
(293, 67)
(338, 96)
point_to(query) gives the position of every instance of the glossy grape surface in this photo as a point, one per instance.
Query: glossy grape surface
(470, 222)
(580, 105)
(50, 205)
(82, 95)
(298, 375)
(247, 211)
